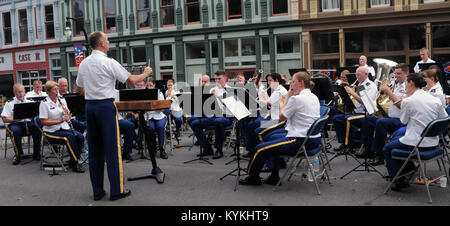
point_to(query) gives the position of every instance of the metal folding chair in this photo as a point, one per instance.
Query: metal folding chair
(435, 128)
(309, 155)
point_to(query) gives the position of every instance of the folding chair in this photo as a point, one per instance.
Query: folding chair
(309, 155)
(7, 134)
(434, 128)
(57, 154)
(324, 111)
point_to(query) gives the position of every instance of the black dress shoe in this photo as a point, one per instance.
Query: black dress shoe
(250, 180)
(120, 196)
(77, 168)
(379, 160)
(399, 184)
(273, 180)
(100, 196)
(218, 154)
(266, 169)
(16, 160)
(126, 156)
(163, 155)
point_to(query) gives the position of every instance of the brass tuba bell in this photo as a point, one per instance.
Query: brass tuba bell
(384, 76)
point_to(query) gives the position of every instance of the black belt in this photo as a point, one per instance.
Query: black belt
(108, 99)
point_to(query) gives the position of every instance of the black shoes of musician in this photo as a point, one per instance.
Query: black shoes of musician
(16, 160)
(163, 155)
(340, 148)
(126, 193)
(364, 154)
(77, 168)
(99, 196)
(206, 151)
(218, 154)
(399, 184)
(273, 180)
(266, 169)
(379, 160)
(126, 156)
(250, 180)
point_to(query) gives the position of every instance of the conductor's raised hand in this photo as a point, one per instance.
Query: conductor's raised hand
(148, 71)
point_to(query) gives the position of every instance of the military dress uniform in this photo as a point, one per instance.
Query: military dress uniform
(97, 75)
(19, 129)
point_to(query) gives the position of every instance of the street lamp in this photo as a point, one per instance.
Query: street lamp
(68, 33)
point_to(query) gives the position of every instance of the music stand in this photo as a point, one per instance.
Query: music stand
(351, 77)
(76, 103)
(292, 71)
(145, 94)
(36, 99)
(26, 111)
(322, 88)
(162, 86)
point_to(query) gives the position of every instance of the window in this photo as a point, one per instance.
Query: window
(380, 3)
(23, 25)
(417, 36)
(214, 48)
(385, 40)
(431, 1)
(29, 76)
(231, 48)
(112, 53)
(78, 15)
(331, 5)
(280, 8)
(265, 45)
(165, 52)
(143, 13)
(49, 25)
(193, 11)
(354, 42)
(441, 35)
(139, 54)
(124, 56)
(288, 43)
(326, 42)
(166, 75)
(234, 9)
(110, 15)
(7, 28)
(248, 46)
(195, 50)
(167, 12)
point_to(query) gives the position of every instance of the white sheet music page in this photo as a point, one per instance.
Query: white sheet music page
(368, 104)
(236, 107)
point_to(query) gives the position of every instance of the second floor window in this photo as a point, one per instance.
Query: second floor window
(375, 3)
(332, 5)
(167, 12)
(49, 24)
(193, 11)
(110, 15)
(78, 15)
(23, 25)
(7, 28)
(279, 7)
(143, 13)
(234, 9)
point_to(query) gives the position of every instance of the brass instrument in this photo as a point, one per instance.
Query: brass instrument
(66, 112)
(340, 102)
(384, 77)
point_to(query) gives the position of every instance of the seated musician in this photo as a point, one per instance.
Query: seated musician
(433, 86)
(220, 123)
(175, 108)
(240, 78)
(127, 128)
(63, 89)
(37, 90)
(300, 108)
(18, 128)
(346, 124)
(382, 126)
(134, 117)
(54, 114)
(157, 122)
(417, 110)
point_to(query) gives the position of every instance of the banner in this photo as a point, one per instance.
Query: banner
(79, 56)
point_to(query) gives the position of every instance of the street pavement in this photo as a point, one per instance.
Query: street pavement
(198, 184)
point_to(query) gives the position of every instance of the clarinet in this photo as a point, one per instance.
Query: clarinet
(65, 111)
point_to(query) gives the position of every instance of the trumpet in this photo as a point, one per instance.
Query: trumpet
(66, 112)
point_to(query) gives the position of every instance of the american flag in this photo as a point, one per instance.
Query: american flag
(78, 54)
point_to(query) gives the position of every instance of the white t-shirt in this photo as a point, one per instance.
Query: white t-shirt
(438, 92)
(8, 109)
(371, 70)
(417, 111)
(399, 91)
(301, 111)
(417, 68)
(157, 114)
(98, 74)
(53, 111)
(31, 93)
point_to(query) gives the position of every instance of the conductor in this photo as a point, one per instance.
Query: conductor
(96, 79)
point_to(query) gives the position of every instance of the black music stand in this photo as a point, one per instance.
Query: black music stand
(145, 94)
(36, 99)
(162, 86)
(196, 94)
(27, 110)
(76, 103)
(322, 88)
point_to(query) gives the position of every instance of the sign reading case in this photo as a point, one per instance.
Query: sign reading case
(30, 56)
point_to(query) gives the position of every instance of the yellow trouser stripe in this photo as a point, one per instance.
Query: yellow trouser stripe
(267, 115)
(347, 129)
(267, 147)
(13, 141)
(119, 150)
(67, 142)
(260, 134)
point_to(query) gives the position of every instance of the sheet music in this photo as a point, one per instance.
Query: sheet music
(236, 107)
(368, 103)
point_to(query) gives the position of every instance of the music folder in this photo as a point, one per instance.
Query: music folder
(37, 99)
(322, 88)
(138, 94)
(367, 102)
(236, 107)
(26, 110)
(348, 103)
(76, 103)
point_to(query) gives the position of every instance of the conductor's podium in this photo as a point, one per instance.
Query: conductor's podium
(143, 105)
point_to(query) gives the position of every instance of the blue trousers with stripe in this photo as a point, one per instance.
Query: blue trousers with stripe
(382, 127)
(126, 128)
(158, 126)
(271, 150)
(104, 145)
(18, 130)
(340, 124)
(73, 143)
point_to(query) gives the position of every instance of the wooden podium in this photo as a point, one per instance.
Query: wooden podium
(141, 106)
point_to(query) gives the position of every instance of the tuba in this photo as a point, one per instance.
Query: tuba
(384, 76)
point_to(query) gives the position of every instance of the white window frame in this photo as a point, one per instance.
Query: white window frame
(338, 8)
